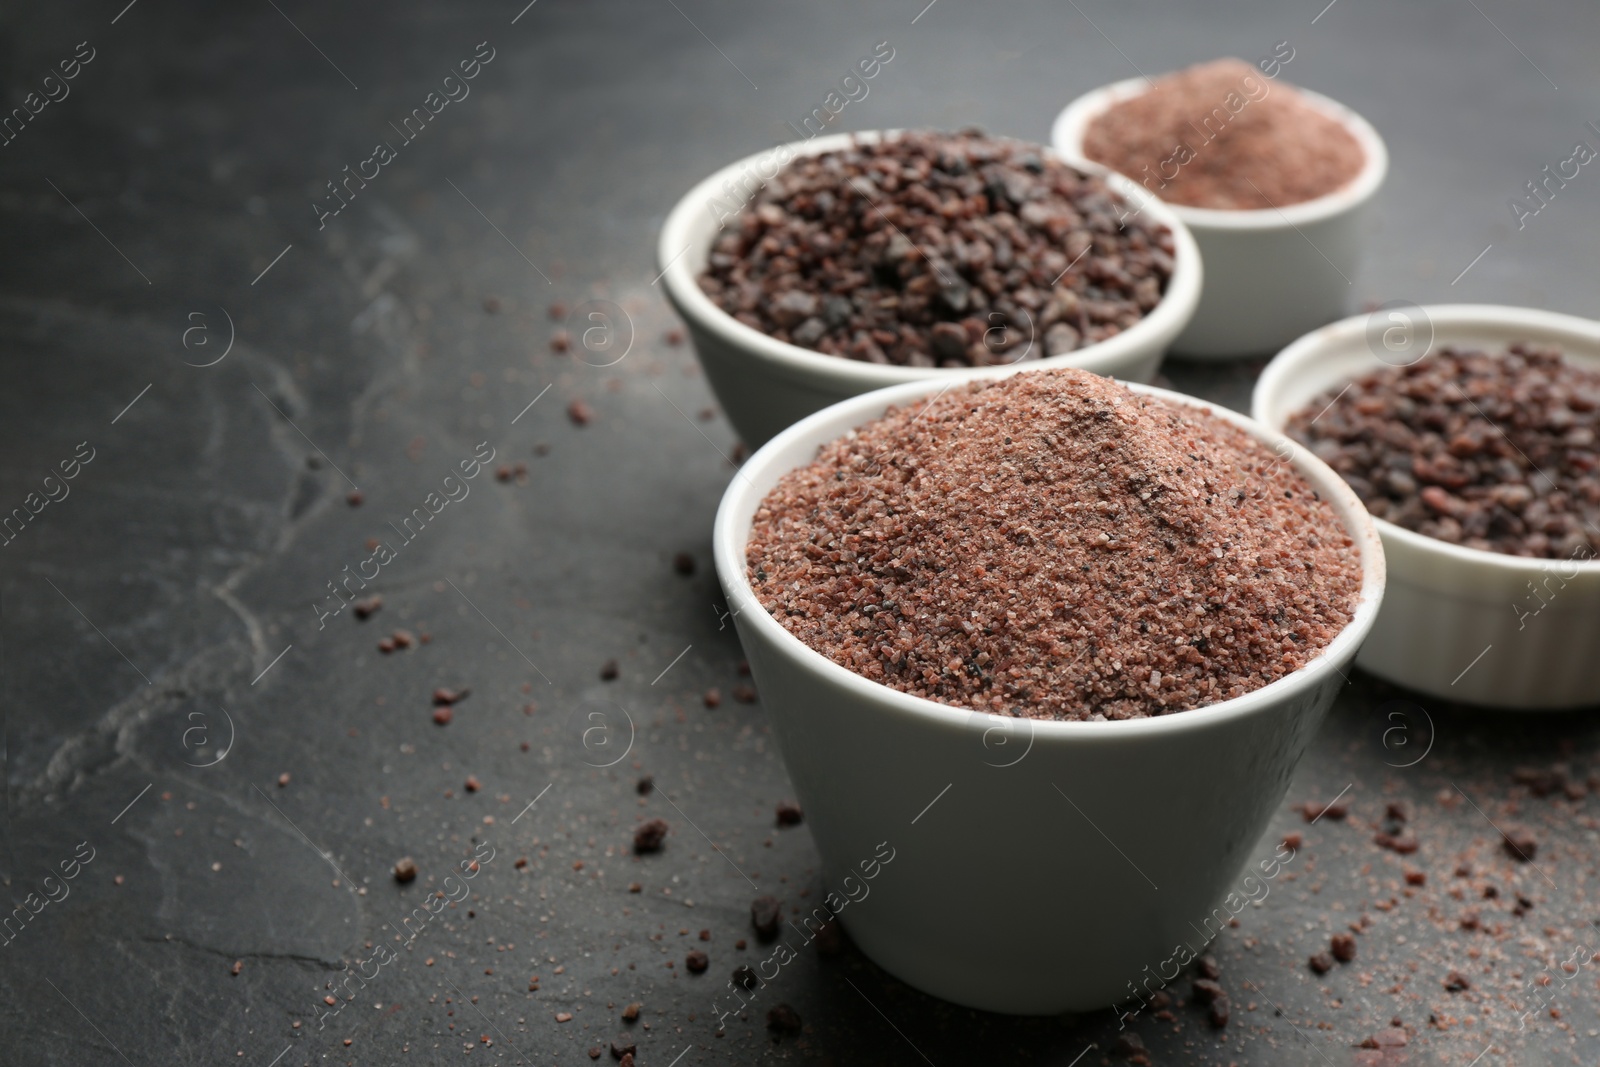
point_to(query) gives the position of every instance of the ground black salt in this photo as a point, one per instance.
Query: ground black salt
(1054, 545)
(1217, 136)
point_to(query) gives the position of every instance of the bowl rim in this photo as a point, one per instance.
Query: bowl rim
(1067, 131)
(1168, 317)
(845, 416)
(1316, 344)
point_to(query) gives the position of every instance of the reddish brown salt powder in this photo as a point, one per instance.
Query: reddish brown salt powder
(1054, 545)
(1223, 135)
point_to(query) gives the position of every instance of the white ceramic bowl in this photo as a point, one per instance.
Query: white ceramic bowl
(764, 384)
(1038, 866)
(1453, 622)
(1271, 274)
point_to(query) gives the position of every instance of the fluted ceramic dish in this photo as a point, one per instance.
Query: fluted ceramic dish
(1461, 623)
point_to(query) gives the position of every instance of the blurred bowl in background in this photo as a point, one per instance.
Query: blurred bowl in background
(764, 384)
(1272, 274)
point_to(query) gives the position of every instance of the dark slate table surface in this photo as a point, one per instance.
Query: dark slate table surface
(245, 777)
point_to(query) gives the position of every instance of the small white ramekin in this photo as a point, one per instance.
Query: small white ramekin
(1460, 623)
(764, 384)
(1038, 866)
(1271, 274)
